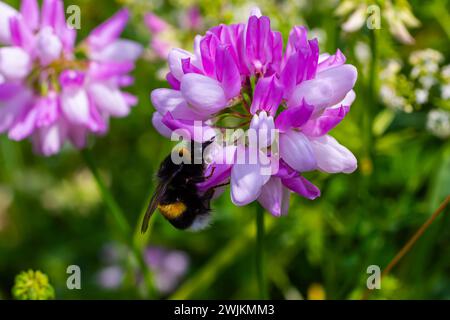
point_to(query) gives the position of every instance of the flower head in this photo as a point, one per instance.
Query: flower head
(238, 76)
(32, 285)
(51, 90)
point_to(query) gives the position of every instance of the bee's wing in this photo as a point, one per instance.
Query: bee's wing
(156, 198)
(160, 190)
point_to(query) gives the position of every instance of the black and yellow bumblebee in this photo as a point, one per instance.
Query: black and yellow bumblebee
(177, 196)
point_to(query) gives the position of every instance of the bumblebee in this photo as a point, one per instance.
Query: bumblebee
(177, 196)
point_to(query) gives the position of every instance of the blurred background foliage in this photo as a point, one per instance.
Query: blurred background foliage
(52, 215)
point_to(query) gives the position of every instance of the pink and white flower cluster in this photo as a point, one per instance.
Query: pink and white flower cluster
(298, 92)
(51, 90)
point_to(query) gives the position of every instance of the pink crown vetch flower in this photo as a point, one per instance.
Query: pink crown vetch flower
(48, 93)
(297, 95)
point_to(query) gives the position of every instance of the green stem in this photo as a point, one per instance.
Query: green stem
(260, 269)
(121, 221)
(372, 92)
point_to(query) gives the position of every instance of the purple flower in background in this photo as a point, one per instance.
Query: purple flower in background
(295, 97)
(192, 19)
(50, 95)
(167, 266)
(154, 23)
(110, 277)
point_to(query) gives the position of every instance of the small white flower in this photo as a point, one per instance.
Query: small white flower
(427, 81)
(362, 52)
(421, 96)
(438, 123)
(445, 92)
(445, 73)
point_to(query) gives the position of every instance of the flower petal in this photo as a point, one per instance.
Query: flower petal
(154, 23)
(49, 46)
(356, 20)
(106, 70)
(263, 127)
(75, 105)
(120, 50)
(29, 9)
(301, 59)
(47, 9)
(48, 110)
(328, 88)
(78, 136)
(324, 123)
(255, 11)
(335, 60)
(331, 156)
(296, 151)
(204, 95)
(21, 34)
(294, 117)
(24, 125)
(330, 118)
(302, 186)
(274, 197)
(261, 44)
(15, 63)
(51, 138)
(267, 96)
(168, 100)
(173, 82)
(175, 58)
(227, 72)
(6, 12)
(194, 129)
(13, 104)
(160, 126)
(109, 30)
(246, 183)
(109, 99)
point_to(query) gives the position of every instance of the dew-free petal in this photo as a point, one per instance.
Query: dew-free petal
(328, 88)
(331, 156)
(15, 63)
(296, 151)
(204, 95)
(109, 99)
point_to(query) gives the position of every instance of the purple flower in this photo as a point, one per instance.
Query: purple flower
(168, 267)
(110, 277)
(192, 19)
(154, 23)
(293, 97)
(49, 95)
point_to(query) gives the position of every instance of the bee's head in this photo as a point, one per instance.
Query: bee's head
(178, 157)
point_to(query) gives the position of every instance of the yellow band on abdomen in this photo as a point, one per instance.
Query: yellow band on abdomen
(172, 210)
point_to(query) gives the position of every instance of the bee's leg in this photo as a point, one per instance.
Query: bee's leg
(220, 185)
(206, 198)
(202, 179)
(196, 180)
